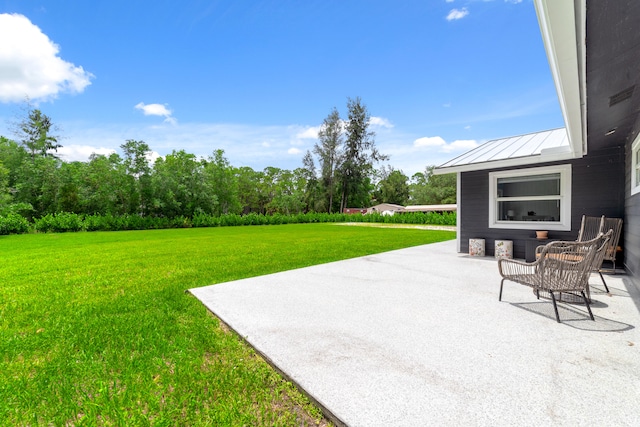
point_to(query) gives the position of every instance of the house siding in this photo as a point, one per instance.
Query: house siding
(597, 188)
(631, 225)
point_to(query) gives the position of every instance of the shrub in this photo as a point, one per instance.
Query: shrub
(13, 223)
(180, 222)
(256, 219)
(205, 220)
(59, 223)
(230, 220)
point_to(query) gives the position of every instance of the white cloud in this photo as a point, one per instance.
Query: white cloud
(153, 109)
(152, 156)
(80, 153)
(294, 150)
(30, 65)
(456, 14)
(429, 141)
(380, 121)
(439, 142)
(460, 145)
(157, 110)
(309, 133)
(449, 1)
(467, 127)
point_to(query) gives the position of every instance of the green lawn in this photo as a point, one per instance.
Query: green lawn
(96, 328)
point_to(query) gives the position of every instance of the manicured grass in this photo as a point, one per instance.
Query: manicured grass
(96, 328)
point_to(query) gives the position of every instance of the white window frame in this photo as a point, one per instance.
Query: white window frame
(565, 199)
(635, 165)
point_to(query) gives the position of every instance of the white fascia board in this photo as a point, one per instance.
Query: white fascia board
(559, 26)
(508, 163)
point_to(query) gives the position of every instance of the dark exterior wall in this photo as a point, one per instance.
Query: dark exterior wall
(597, 188)
(631, 225)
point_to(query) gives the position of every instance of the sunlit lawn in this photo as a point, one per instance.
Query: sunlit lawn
(96, 328)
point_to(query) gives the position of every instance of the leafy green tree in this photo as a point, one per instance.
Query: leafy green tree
(287, 191)
(360, 153)
(136, 157)
(313, 197)
(12, 155)
(108, 189)
(269, 187)
(35, 133)
(71, 176)
(249, 189)
(329, 152)
(180, 186)
(220, 175)
(136, 163)
(5, 195)
(38, 185)
(430, 189)
(393, 187)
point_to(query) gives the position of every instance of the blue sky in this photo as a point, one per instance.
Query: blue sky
(257, 77)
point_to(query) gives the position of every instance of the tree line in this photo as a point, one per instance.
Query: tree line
(339, 172)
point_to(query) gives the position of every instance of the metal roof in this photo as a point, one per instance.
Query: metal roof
(532, 148)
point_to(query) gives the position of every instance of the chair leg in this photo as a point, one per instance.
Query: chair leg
(537, 293)
(555, 306)
(603, 282)
(500, 296)
(586, 302)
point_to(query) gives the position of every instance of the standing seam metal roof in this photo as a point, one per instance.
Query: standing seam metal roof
(512, 147)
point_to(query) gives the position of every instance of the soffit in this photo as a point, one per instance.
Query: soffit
(612, 69)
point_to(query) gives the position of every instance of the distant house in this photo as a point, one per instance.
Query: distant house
(385, 208)
(510, 187)
(352, 211)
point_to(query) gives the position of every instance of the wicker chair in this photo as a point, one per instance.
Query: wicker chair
(592, 226)
(561, 267)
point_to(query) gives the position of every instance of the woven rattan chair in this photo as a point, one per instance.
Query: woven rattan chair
(590, 227)
(561, 267)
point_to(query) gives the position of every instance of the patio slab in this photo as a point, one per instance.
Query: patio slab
(418, 337)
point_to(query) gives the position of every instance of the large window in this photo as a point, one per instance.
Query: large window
(635, 166)
(531, 199)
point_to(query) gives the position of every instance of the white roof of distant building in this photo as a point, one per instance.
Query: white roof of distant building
(386, 206)
(539, 147)
(431, 208)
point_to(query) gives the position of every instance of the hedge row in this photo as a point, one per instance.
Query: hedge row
(69, 222)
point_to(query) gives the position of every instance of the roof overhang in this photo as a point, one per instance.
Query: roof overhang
(550, 155)
(563, 28)
(593, 51)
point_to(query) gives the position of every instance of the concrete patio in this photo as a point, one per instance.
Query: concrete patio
(417, 337)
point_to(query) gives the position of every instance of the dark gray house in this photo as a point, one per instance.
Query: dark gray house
(511, 187)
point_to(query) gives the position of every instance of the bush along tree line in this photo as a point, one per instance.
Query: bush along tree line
(39, 191)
